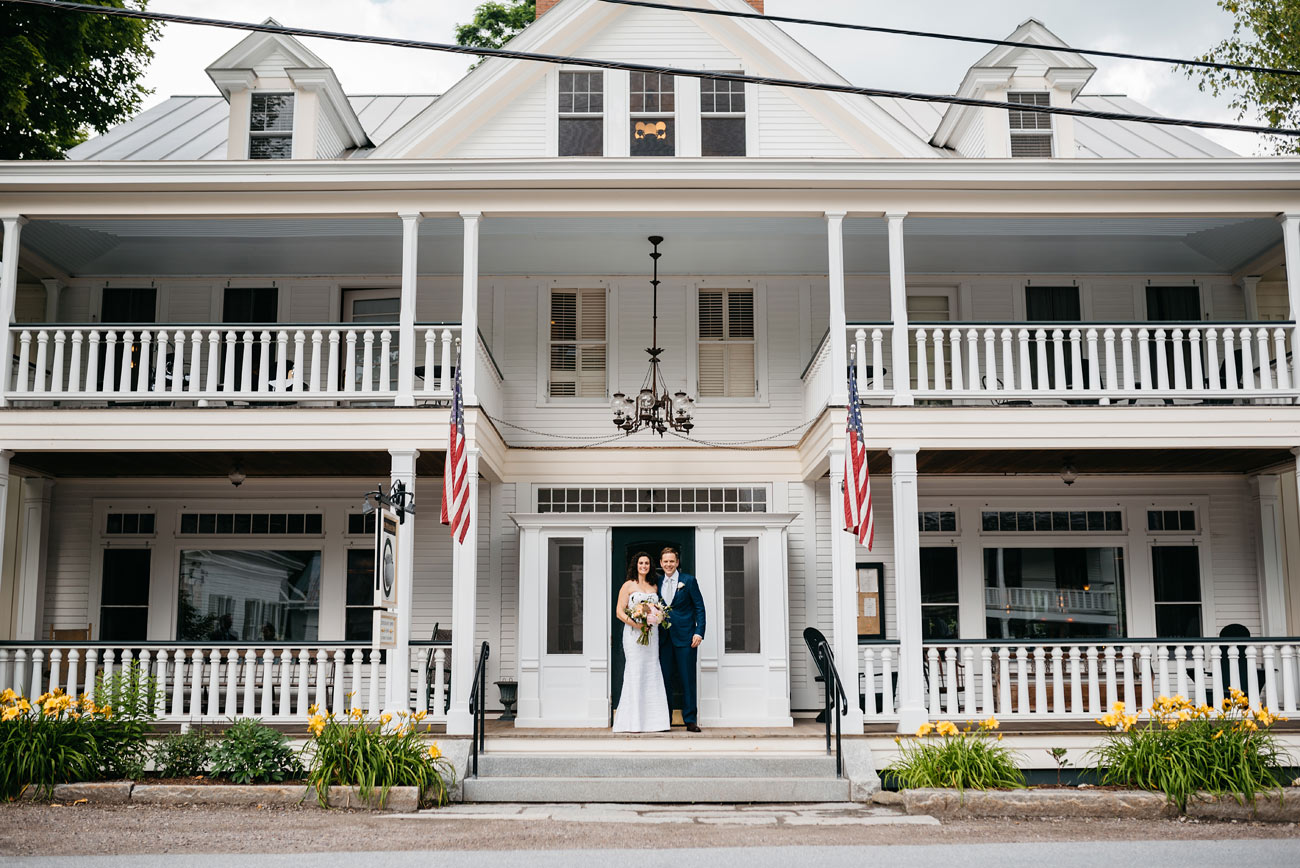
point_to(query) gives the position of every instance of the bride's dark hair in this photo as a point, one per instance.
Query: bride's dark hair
(631, 567)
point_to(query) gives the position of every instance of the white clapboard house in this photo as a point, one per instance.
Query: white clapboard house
(1073, 338)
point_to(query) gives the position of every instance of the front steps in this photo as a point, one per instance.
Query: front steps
(656, 771)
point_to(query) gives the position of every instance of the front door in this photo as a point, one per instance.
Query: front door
(627, 543)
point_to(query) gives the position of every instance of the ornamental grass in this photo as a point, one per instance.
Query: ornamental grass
(1182, 749)
(375, 756)
(943, 755)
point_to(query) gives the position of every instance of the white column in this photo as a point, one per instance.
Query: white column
(531, 612)
(399, 657)
(407, 350)
(8, 296)
(33, 524)
(1291, 250)
(469, 309)
(898, 310)
(1250, 296)
(53, 288)
(464, 598)
(838, 324)
(844, 595)
(1272, 558)
(907, 590)
(6, 588)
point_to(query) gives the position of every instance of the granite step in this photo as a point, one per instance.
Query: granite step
(657, 790)
(646, 765)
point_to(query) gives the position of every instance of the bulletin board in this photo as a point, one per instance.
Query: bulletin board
(871, 600)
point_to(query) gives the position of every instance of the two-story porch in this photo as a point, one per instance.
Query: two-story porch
(1153, 399)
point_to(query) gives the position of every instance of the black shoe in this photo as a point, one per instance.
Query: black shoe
(692, 727)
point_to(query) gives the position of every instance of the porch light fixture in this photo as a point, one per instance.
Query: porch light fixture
(1068, 473)
(653, 407)
(236, 474)
(398, 499)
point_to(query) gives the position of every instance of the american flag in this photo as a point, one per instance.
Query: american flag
(455, 485)
(858, 515)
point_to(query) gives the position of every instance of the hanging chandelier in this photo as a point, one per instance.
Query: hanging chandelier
(653, 407)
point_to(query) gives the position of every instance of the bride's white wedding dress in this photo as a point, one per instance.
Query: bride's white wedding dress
(643, 705)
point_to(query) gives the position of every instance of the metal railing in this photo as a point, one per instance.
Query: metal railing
(478, 708)
(836, 703)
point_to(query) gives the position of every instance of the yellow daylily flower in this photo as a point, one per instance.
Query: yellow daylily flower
(8, 695)
(946, 728)
(316, 725)
(313, 709)
(990, 723)
(385, 719)
(10, 713)
(434, 751)
(924, 729)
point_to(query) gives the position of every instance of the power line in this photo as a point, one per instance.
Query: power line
(955, 37)
(594, 63)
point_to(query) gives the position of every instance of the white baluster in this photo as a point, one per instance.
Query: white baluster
(1109, 653)
(932, 658)
(986, 677)
(350, 362)
(232, 682)
(367, 361)
(285, 706)
(178, 682)
(385, 354)
(373, 707)
(20, 670)
(886, 680)
(317, 345)
(203, 378)
(263, 383)
(333, 373)
(1130, 679)
(5, 682)
(1026, 369)
(1265, 375)
(268, 683)
(1094, 362)
(109, 379)
(1076, 685)
(1232, 384)
(860, 354)
(304, 679)
(1144, 663)
(1008, 361)
(421, 662)
(1112, 371)
(939, 372)
(430, 339)
(338, 681)
(38, 660)
(1005, 655)
(973, 379)
(1144, 360)
(160, 364)
(877, 360)
(990, 363)
(299, 375)
(250, 681)
(1288, 677)
(1180, 670)
(75, 386)
(160, 675)
(322, 677)
(177, 366)
(1176, 349)
(214, 361)
(358, 660)
(1218, 653)
(1270, 696)
(281, 363)
(1040, 360)
(1252, 676)
(56, 660)
(1040, 675)
(1247, 363)
(1198, 674)
(214, 684)
(56, 375)
(954, 345)
(141, 368)
(444, 382)
(968, 663)
(1162, 669)
(24, 360)
(1198, 374)
(42, 353)
(246, 366)
(1094, 683)
(196, 683)
(1058, 360)
(1076, 362)
(922, 365)
(1057, 657)
(1212, 360)
(1162, 361)
(1279, 359)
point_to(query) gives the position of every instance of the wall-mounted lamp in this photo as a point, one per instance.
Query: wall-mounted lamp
(1068, 473)
(236, 474)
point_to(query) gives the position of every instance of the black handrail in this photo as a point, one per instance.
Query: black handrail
(477, 708)
(834, 696)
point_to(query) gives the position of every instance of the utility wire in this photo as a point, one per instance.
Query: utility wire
(955, 37)
(649, 68)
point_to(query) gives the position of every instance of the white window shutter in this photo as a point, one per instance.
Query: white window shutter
(726, 348)
(578, 351)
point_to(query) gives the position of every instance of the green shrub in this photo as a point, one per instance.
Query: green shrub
(183, 754)
(379, 757)
(47, 742)
(250, 752)
(1183, 749)
(954, 758)
(122, 737)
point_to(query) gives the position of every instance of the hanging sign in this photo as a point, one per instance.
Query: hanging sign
(384, 629)
(386, 529)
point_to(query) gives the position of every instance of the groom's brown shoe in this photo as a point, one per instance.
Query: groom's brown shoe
(692, 727)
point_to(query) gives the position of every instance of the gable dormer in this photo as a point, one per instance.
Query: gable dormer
(1047, 74)
(285, 102)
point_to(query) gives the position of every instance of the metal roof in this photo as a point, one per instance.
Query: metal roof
(195, 127)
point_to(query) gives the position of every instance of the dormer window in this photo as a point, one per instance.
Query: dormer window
(722, 118)
(653, 115)
(270, 127)
(582, 109)
(1031, 132)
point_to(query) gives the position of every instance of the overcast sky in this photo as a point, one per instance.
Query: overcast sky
(1175, 28)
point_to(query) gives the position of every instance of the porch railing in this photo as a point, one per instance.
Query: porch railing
(1103, 363)
(1081, 680)
(275, 362)
(872, 344)
(207, 681)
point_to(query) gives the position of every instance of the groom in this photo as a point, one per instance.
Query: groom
(678, 643)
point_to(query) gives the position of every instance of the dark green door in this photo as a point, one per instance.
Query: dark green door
(628, 541)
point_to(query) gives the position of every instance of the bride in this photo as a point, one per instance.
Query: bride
(643, 705)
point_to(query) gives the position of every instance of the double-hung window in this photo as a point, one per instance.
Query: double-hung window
(578, 349)
(722, 118)
(270, 127)
(653, 101)
(582, 114)
(1031, 132)
(726, 348)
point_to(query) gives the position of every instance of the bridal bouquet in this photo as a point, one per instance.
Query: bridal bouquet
(648, 614)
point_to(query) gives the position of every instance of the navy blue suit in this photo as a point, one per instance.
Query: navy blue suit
(676, 656)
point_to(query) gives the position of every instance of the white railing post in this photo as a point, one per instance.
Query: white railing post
(406, 315)
(12, 225)
(469, 310)
(899, 348)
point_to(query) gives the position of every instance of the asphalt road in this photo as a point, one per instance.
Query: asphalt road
(1149, 854)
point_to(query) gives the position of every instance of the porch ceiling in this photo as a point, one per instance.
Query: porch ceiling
(935, 462)
(269, 465)
(616, 245)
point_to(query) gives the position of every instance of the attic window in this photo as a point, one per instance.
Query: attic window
(722, 118)
(582, 108)
(654, 108)
(270, 127)
(1028, 138)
